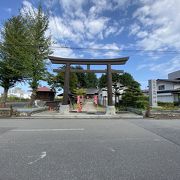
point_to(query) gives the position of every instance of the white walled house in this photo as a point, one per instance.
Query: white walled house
(168, 90)
(103, 96)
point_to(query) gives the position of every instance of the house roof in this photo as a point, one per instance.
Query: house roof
(169, 80)
(92, 91)
(44, 89)
(169, 91)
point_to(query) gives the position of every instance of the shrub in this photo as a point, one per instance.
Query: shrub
(166, 104)
(142, 104)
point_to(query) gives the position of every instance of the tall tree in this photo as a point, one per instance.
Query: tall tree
(91, 80)
(81, 77)
(102, 82)
(13, 54)
(57, 81)
(37, 23)
(132, 96)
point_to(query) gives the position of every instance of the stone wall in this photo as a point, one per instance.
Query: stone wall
(9, 112)
(5, 112)
(165, 114)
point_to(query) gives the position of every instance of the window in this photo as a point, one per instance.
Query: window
(161, 87)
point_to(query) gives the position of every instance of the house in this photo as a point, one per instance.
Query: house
(45, 94)
(168, 90)
(117, 89)
(91, 92)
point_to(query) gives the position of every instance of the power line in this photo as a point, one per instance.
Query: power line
(100, 49)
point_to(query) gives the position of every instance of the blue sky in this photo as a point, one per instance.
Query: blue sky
(123, 25)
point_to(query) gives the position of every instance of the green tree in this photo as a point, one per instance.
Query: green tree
(102, 82)
(57, 81)
(13, 54)
(132, 96)
(80, 92)
(37, 24)
(91, 80)
(81, 77)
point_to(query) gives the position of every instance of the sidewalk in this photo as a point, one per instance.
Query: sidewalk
(89, 107)
(73, 115)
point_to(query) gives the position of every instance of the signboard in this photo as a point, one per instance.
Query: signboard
(152, 93)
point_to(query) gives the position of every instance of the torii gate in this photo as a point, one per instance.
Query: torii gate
(108, 62)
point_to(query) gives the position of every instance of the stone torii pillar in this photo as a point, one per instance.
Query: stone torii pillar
(110, 108)
(64, 109)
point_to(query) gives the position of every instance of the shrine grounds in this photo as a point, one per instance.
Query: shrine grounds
(52, 149)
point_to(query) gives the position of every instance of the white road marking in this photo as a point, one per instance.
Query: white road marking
(41, 130)
(111, 149)
(43, 155)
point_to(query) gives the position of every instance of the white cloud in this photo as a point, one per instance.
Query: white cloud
(69, 4)
(27, 7)
(108, 5)
(113, 30)
(60, 30)
(78, 25)
(162, 68)
(87, 20)
(82, 26)
(161, 18)
(134, 29)
(9, 10)
(110, 50)
(96, 26)
(63, 52)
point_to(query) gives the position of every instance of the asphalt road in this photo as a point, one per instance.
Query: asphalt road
(51, 149)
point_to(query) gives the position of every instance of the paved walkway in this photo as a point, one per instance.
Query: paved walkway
(57, 115)
(89, 106)
(89, 111)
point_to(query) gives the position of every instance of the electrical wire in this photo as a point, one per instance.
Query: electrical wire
(101, 49)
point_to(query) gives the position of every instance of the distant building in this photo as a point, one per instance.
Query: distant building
(91, 92)
(168, 90)
(174, 75)
(45, 94)
(18, 92)
(118, 90)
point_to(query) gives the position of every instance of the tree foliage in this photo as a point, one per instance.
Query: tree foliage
(57, 81)
(77, 80)
(24, 49)
(132, 96)
(91, 80)
(80, 92)
(37, 25)
(82, 80)
(14, 55)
